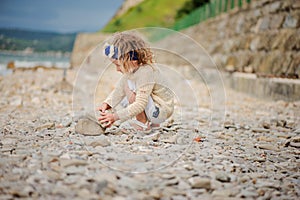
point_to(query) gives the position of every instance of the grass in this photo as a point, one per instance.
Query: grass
(149, 13)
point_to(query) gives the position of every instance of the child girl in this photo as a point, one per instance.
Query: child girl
(141, 89)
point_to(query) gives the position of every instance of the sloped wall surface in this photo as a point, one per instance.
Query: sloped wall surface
(84, 44)
(263, 37)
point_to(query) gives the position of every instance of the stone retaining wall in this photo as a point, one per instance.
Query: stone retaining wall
(263, 37)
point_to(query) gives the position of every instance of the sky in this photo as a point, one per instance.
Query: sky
(64, 16)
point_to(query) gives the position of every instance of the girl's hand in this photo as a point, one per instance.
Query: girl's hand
(107, 119)
(104, 107)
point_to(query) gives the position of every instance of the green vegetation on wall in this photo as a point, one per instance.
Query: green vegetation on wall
(207, 10)
(149, 13)
(189, 6)
(177, 15)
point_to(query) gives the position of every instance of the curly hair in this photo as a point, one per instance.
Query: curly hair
(128, 44)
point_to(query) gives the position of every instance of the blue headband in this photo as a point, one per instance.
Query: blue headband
(112, 52)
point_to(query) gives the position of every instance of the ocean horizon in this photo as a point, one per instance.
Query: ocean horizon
(30, 60)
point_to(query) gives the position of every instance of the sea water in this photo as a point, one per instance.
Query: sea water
(23, 60)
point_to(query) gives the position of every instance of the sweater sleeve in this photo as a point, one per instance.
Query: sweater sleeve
(117, 94)
(145, 84)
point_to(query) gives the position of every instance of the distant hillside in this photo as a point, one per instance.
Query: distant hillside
(39, 41)
(127, 4)
(148, 13)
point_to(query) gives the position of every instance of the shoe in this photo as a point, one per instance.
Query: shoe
(134, 126)
(155, 126)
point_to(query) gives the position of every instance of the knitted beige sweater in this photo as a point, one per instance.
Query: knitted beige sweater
(149, 81)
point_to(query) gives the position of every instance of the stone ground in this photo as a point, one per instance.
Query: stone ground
(254, 154)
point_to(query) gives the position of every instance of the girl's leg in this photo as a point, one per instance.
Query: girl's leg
(131, 98)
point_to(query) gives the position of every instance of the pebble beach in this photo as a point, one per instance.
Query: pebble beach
(254, 154)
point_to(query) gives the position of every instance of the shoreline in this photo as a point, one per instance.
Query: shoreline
(30, 53)
(22, 60)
